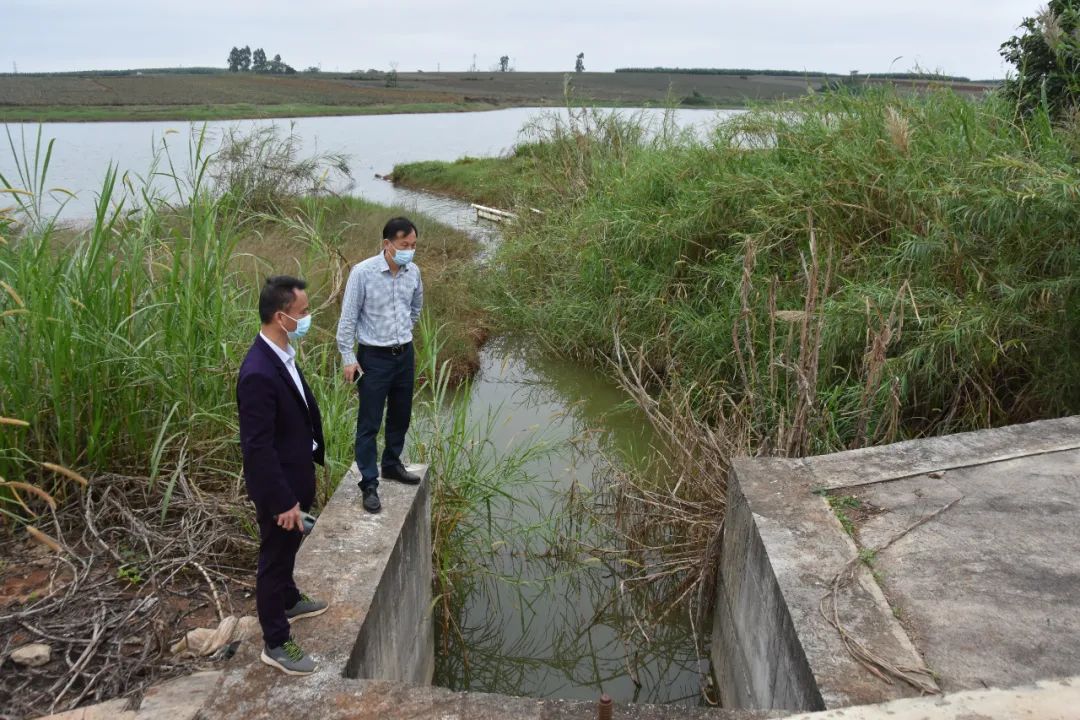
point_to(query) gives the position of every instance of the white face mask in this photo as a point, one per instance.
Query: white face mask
(302, 326)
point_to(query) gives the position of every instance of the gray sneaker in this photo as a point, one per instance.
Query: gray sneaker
(288, 658)
(306, 606)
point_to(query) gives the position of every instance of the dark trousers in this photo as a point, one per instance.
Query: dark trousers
(386, 386)
(274, 587)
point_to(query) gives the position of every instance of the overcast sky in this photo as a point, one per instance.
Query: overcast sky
(958, 37)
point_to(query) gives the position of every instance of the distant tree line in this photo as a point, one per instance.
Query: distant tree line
(791, 73)
(244, 60)
(915, 76)
(719, 71)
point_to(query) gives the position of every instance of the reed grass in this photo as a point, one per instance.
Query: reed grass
(940, 220)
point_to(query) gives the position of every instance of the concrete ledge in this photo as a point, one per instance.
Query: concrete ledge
(344, 699)
(1045, 700)
(918, 457)
(771, 646)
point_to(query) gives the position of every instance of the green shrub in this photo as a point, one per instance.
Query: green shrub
(1047, 60)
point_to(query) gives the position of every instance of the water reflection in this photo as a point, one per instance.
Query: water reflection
(552, 620)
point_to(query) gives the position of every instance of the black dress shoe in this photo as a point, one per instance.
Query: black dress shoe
(371, 500)
(399, 473)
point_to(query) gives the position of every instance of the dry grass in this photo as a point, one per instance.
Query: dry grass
(114, 585)
(669, 524)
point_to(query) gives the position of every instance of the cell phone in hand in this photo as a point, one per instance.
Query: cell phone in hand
(307, 522)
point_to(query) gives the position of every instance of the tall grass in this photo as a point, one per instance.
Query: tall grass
(124, 350)
(934, 215)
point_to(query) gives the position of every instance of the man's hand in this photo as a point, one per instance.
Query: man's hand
(353, 372)
(290, 520)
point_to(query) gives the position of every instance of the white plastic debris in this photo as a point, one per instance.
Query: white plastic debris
(201, 642)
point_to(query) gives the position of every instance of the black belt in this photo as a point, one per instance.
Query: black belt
(388, 349)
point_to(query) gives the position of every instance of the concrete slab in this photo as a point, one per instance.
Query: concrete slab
(181, 698)
(772, 646)
(330, 698)
(1046, 700)
(989, 589)
(963, 561)
(111, 710)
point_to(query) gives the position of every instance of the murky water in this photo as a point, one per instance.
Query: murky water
(554, 626)
(547, 628)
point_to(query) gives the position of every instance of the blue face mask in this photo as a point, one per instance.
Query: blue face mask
(403, 257)
(302, 326)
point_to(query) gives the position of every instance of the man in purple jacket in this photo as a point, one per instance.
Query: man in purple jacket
(281, 437)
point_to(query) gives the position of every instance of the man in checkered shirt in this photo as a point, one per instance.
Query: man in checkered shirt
(383, 299)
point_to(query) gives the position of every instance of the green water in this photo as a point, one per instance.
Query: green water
(549, 621)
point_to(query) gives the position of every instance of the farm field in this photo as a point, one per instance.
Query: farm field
(147, 96)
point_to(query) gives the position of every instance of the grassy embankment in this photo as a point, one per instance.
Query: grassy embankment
(857, 270)
(489, 181)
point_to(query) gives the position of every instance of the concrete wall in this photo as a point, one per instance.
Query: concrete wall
(772, 647)
(397, 640)
(375, 644)
(757, 657)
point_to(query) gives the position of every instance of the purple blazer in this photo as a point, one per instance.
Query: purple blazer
(276, 432)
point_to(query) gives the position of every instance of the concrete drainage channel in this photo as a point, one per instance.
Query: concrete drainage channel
(375, 644)
(847, 581)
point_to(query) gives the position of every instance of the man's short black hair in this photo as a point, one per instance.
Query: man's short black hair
(277, 294)
(398, 226)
